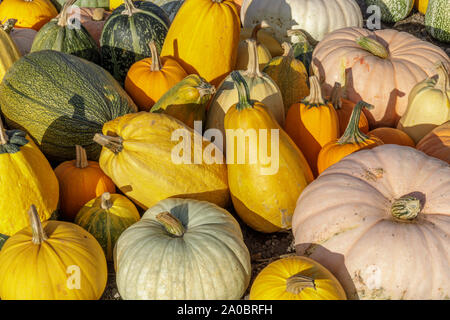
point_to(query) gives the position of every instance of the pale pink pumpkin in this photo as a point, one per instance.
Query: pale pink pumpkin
(344, 221)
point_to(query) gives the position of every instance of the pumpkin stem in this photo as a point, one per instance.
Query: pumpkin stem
(259, 26)
(373, 46)
(304, 36)
(253, 60)
(106, 201)
(172, 224)
(296, 283)
(205, 89)
(243, 91)
(156, 61)
(129, 8)
(315, 95)
(115, 144)
(62, 21)
(442, 82)
(336, 96)
(98, 14)
(38, 232)
(81, 161)
(288, 50)
(3, 136)
(9, 25)
(406, 208)
(352, 133)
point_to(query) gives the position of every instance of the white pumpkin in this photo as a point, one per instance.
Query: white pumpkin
(317, 17)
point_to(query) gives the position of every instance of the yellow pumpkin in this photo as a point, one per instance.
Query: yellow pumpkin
(243, 56)
(264, 191)
(296, 278)
(264, 38)
(204, 37)
(9, 53)
(428, 105)
(53, 260)
(421, 5)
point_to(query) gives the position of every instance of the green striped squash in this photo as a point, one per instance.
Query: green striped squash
(393, 10)
(106, 217)
(61, 101)
(83, 3)
(437, 19)
(127, 33)
(66, 35)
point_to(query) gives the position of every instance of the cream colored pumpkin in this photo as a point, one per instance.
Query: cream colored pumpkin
(358, 220)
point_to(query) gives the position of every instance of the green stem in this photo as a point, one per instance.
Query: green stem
(373, 46)
(352, 133)
(106, 203)
(315, 94)
(171, 224)
(243, 91)
(298, 282)
(115, 144)
(304, 36)
(38, 233)
(406, 208)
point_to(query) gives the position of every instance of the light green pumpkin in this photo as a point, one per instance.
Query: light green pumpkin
(437, 19)
(83, 3)
(393, 10)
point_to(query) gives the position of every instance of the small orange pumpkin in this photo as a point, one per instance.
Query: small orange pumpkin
(149, 79)
(437, 142)
(80, 181)
(393, 136)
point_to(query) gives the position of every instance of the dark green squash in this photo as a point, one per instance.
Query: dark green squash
(303, 48)
(61, 101)
(66, 35)
(127, 33)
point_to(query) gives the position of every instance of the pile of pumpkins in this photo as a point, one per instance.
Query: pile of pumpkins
(91, 98)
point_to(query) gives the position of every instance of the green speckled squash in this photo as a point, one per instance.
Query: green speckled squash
(61, 101)
(303, 46)
(106, 217)
(127, 33)
(393, 10)
(66, 35)
(437, 19)
(83, 3)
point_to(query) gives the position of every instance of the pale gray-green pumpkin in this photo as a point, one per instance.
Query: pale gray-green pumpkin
(182, 249)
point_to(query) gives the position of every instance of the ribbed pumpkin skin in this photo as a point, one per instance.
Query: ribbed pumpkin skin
(437, 20)
(193, 52)
(125, 38)
(392, 10)
(84, 3)
(271, 282)
(210, 261)
(67, 101)
(437, 143)
(393, 136)
(40, 272)
(106, 225)
(144, 170)
(29, 169)
(29, 13)
(347, 210)
(9, 53)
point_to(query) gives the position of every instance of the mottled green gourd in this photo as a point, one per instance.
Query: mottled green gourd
(437, 19)
(66, 35)
(392, 10)
(303, 47)
(83, 4)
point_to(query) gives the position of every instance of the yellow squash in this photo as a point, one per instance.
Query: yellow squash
(9, 52)
(204, 37)
(265, 180)
(153, 156)
(265, 38)
(243, 56)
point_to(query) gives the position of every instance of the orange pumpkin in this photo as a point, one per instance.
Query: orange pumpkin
(80, 181)
(29, 13)
(351, 141)
(437, 142)
(393, 136)
(238, 4)
(149, 79)
(312, 123)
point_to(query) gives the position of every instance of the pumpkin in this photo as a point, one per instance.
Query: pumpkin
(194, 248)
(53, 260)
(351, 141)
(104, 4)
(23, 38)
(263, 37)
(262, 202)
(437, 142)
(421, 5)
(80, 180)
(243, 58)
(296, 278)
(212, 51)
(312, 123)
(106, 217)
(27, 178)
(317, 17)
(186, 101)
(150, 78)
(9, 53)
(127, 33)
(428, 105)
(393, 136)
(437, 20)
(392, 199)
(171, 7)
(140, 156)
(391, 61)
(290, 75)
(28, 13)
(66, 35)
(392, 10)
(261, 87)
(93, 19)
(67, 99)
(303, 46)
(238, 4)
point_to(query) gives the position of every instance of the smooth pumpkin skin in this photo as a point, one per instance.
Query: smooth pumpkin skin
(23, 38)
(393, 136)
(392, 10)
(243, 56)
(192, 51)
(437, 143)
(347, 210)
(29, 13)
(265, 38)
(9, 52)
(271, 282)
(107, 219)
(421, 5)
(31, 271)
(144, 170)
(437, 20)
(80, 181)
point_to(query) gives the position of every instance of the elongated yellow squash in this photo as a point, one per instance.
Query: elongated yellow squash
(9, 52)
